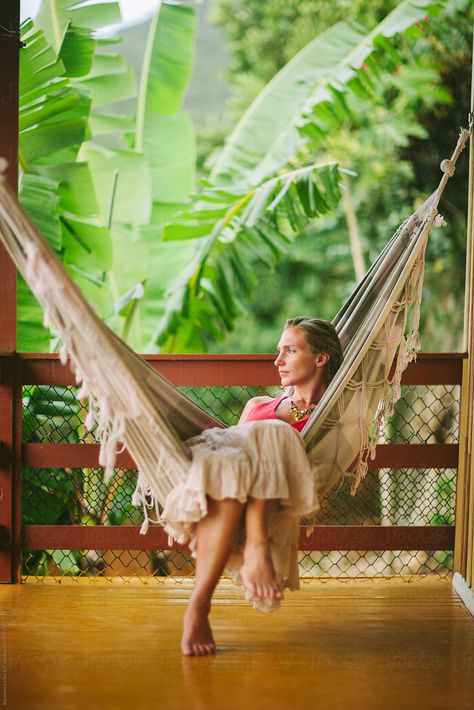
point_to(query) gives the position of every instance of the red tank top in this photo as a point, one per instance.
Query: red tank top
(266, 410)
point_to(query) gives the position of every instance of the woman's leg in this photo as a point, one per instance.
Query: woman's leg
(257, 570)
(215, 535)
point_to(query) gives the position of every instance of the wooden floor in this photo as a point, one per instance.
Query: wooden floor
(335, 644)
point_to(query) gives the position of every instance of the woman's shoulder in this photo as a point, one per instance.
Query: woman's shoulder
(261, 399)
(254, 402)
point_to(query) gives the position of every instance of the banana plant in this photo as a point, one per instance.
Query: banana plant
(189, 275)
(164, 135)
(289, 120)
(306, 100)
(127, 191)
(55, 186)
(232, 226)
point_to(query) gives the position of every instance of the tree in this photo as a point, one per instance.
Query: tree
(266, 186)
(91, 200)
(292, 118)
(395, 148)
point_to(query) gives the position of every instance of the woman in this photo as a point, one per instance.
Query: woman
(309, 354)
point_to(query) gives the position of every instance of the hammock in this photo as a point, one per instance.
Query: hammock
(134, 405)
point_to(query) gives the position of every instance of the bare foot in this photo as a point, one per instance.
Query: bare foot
(197, 639)
(257, 573)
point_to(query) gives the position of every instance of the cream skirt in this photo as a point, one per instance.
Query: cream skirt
(261, 459)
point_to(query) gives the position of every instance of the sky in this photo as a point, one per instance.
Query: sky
(133, 11)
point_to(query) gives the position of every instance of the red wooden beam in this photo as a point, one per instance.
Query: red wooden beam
(434, 369)
(387, 456)
(6, 468)
(92, 537)
(192, 370)
(322, 538)
(244, 370)
(17, 470)
(378, 537)
(9, 63)
(415, 456)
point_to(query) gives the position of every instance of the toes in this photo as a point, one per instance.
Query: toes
(251, 587)
(277, 593)
(198, 649)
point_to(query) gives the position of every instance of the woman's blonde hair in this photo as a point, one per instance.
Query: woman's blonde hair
(321, 337)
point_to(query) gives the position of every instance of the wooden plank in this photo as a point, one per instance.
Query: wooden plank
(415, 456)
(387, 456)
(69, 456)
(9, 64)
(378, 537)
(17, 473)
(10, 472)
(464, 485)
(181, 370)
(464, 552)
(434, 369)
(9, 61)
(6, 469)
(95, 537)
(322, 538)
(243, 370)
(368, 643)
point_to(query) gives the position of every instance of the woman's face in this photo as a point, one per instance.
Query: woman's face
(296, 362)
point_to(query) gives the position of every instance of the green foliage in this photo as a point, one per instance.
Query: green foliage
(55, 188)
(263, 37)
(231, 227)
(176, 274)
(394, 144)
(303, 105)
(99, 197)
(55, 18)
(306, 100)
(162, 127)
(69, 496)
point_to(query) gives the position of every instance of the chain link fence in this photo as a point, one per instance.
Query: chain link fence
(51, 414)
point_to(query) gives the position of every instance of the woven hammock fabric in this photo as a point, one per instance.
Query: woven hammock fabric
(132, 404)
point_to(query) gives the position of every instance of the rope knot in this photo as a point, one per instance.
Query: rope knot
(448, 167)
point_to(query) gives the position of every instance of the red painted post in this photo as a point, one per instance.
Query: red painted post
(9, 471)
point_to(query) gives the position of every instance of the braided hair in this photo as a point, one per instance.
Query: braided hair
(321, 337)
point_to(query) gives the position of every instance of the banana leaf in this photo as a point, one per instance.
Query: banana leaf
(307, 95)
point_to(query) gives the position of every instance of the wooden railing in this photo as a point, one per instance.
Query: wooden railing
(191, 370)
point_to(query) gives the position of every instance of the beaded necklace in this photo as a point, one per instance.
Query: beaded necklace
(299, 414)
